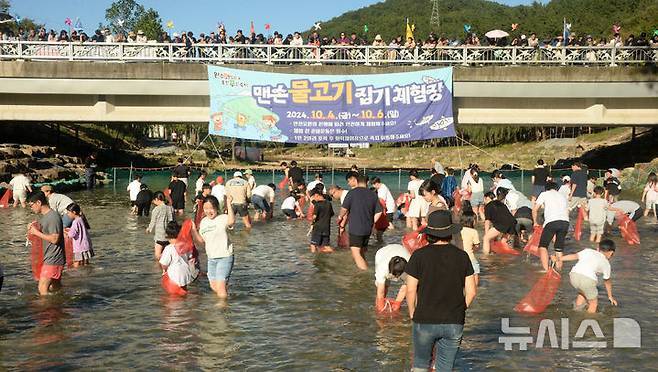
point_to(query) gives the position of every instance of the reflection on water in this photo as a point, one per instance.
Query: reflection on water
(288, 309)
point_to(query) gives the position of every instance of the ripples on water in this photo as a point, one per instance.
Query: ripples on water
(288, 309)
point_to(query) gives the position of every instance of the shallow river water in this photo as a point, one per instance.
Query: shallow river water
(288, 309)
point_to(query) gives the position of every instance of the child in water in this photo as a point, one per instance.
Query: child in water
(290, 206)
(78, 232)
(597, 209)
(322, 213)
(162, 214)
(471, 240)
(583, 275)
(177, 262)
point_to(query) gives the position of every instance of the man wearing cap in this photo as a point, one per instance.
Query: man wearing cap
(248, 174)
(238, 188)
(440, 287)
(58, 203)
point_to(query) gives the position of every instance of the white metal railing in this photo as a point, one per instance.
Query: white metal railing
(333, 54)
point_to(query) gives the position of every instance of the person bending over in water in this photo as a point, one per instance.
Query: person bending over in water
(390, 262)
(78, 232)
(161, 216)
(583, 275)
(290, 206)
(213, 236)
(322, 213)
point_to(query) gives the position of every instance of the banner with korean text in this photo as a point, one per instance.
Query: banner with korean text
(392, 107)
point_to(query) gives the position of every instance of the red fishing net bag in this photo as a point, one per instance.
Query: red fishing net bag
(628, 229)
(578, 230)
(532, 247)
(499, 247)
(541, 294)
(414, 240)
(4, 201)
(37, 252)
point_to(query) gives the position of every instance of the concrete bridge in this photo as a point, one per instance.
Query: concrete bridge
(164, 92)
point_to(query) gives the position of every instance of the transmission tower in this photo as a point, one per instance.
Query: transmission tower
(434, 19)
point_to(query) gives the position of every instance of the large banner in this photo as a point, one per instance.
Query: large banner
(392, 107)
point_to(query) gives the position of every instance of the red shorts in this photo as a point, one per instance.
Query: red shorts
(51, 272)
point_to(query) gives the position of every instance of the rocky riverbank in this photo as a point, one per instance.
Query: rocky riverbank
(42, 164)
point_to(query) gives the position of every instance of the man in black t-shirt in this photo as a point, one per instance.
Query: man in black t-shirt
(295, 174)
(360, 208)
(181, 171)
(322, 213)
(440, 287)
(578, 195)
(612, 187)
(178, 194)
(539, 177)
(499, 221)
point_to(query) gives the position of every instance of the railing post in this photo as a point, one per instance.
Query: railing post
(514, 55)
(170, 52)
(367, 55)
(613, 55)
(416, 61)
(121, 51)
(269, 55)
(20, 49)
(220, 54)
(564, 56)
(70, 47)
(464, 55)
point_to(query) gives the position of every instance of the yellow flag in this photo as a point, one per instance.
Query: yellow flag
(410, 30)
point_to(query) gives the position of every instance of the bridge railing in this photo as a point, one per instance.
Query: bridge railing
(325, 55)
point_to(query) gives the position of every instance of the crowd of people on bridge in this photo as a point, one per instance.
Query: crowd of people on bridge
(314, 38)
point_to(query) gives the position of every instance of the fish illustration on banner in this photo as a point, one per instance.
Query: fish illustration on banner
(277, 107)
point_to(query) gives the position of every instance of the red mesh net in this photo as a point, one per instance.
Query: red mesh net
(184, 242)
(499, 247)
(578, 230)
(382, 221)
(37, 252)
(403, 199)
(541, 294)
(387, 305)
(283, 183)
(532, 247)
(68, 250)
(171, 287)
(4, 201)
(343, 240)
(309, 213)
(167, 193)
(199, 213)
(414, 240)
(457, 197)
(628, 229)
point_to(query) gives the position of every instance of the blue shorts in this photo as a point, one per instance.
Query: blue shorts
(260, 203)
(219, 269)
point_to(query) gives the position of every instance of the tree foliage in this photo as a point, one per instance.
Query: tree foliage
(4, 6)
(123, 15)
(150, 23)
(594, 17)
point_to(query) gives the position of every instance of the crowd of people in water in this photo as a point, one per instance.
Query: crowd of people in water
(435, 268)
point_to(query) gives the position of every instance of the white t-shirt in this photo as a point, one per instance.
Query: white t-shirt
(311, 186)
(556, 206)
(343, 195)
(590, 263)
(414, 186)
(629, 208)
(515, 200)
(133, 188)
(288, 203)
(476, 186)
(264, 192)
(383, 257)
(19, 183)
(384, 193)
(505, 183)
(218, 192)
(198, 187)
(214, 233)
(178, 268)
(565, 190)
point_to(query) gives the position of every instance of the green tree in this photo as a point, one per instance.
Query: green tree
(4, 6)
(123, 15)
(150, 23)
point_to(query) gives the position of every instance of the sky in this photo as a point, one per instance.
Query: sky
(201, 15)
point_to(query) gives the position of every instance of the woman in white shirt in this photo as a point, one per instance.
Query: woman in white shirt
(213, 236)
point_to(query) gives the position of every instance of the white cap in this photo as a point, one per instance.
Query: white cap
(237, 174)
(566, 178)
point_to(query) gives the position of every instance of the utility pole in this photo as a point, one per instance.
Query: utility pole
(434, 19)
